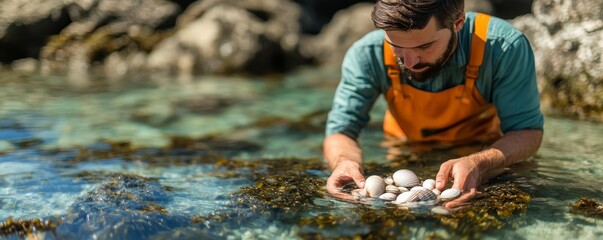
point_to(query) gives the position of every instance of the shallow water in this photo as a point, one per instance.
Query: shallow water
(48, 122)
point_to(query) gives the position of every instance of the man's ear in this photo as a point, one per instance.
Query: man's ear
(459, 22)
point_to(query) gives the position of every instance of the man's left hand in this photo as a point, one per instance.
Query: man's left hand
(467, 177)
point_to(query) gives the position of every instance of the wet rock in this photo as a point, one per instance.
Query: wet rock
(218, 36)
(101, 28)
(124, 206)
(25, 26)
(566, 37)
(346, 27)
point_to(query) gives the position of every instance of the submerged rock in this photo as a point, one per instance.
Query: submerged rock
(124, 206)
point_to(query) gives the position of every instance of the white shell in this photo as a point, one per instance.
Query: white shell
(405, 178)
(429, 184)
(374, 185)
(450, 194)
(403, 197)
(389, 180)
(403, 189)
(358, 193)
(388, 196)
(436, 191)
(418, 188)
(440, 210)
(392, 189)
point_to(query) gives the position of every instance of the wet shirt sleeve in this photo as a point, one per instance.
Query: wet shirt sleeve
(356, 93)
(515, 91)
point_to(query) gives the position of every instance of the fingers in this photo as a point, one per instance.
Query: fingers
(462, 199)
(333, 186)
(358, 178)
(443, 175)
(341, 177)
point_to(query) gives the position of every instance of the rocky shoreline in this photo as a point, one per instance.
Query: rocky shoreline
(187, 37)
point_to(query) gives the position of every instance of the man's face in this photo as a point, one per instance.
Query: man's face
(423, 52)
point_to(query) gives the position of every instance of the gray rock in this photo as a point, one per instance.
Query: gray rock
(346, 27)
(25, 26)
(219, 36)
(102, 27)
(567, 38)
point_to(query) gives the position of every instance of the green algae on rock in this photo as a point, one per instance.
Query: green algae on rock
(588, 207)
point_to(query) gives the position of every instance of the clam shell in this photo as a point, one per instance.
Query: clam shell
(422, 195)
(389, 180)
(358, 193)
(440, 210)
(375, 186)
(388, 196)
(405, 178)
(392, 189)
(403, 189)
(418, 188)
(450, 194)
(429, 184)
(436, 191)
(403, 197)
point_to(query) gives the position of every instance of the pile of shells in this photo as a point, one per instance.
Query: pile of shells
(405, 188)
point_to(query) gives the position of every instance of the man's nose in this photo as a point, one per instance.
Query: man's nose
(408, 56)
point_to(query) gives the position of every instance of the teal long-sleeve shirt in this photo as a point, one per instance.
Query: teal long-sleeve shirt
(507, 78)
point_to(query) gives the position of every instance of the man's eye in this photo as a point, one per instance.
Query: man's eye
(425, 47)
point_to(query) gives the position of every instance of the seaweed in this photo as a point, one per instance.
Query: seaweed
(587, 207)
(23, 227)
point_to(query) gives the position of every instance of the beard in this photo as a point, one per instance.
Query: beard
(432, 68)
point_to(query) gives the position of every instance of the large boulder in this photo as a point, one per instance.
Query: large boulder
(223, 36)
(26, 25)
(101, 28)
(567, 37)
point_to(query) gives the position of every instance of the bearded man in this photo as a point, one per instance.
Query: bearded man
(448, 77)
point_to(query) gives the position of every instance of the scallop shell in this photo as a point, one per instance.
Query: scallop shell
(374, 186)
(422, 195)
(429, 184)
(450, 194)
(389, 180)
(405, 178)
(388, 196)
(403, 197)
(392, 189)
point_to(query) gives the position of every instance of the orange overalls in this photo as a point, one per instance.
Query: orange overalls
(456, 115)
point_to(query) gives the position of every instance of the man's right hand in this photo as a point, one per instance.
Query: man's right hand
(345, 171)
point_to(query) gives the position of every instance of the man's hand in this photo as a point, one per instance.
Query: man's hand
(467, 177)
(471, 171)
(344, 156)
(345, 172)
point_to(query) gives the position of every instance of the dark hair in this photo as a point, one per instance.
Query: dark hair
(415, 14)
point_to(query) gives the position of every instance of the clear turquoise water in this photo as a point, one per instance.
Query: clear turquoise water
(46, 113)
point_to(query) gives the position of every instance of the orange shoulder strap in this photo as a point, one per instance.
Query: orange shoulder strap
(478, 44)
(393, 72)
